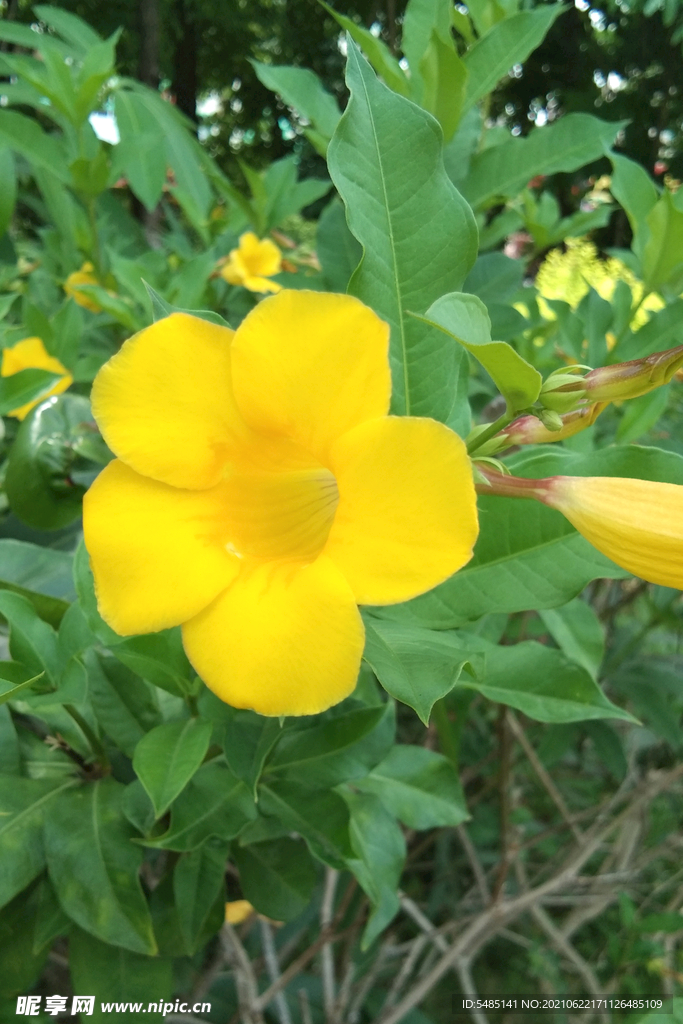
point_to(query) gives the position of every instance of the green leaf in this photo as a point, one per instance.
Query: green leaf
(419, 787)
(578, 632)
(345, 747)
(379, 55)
(117, 974)
(633, 187)
(23, 387)
(338, 251)
(320, 816)
(16, 690)
(566, 145)
(198, 882)
(94, 866)
(543, 684)
(495, 278)
(507, 43)
(69, 26)
(302, 90)
(140, 154)
(26, 137)
(285, 195)
(662, 330)
(23, 805)
(20, 967)
(32, 641)
(43, 575)
(168, 756)
(663, 250)
(417, 233)
(85, 588)
(161, 309)
(277, 877)
(9, 744)
(380, 851)
(8, 195)
(444, 77)
(249, 738)
(159, 658)
(421, 18)
(214, 803)
(417, 666)
(465, 319)
(666, 922)
(123, 703)
(38, 483)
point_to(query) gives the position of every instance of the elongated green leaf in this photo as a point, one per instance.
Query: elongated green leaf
(123, 703)
(633, 187)
(465, 319)
(579, 633)
(507, 43)
(543, 684)
(198, 881)
(161, 308)
(379, 55)
(117, 974)
(43, 575)
(23, 805)
(13, 694)
(417, 666)
(214, 803)
(249, 738)
(574, 140)
(417, 233)
(24, 387)
(303, 91)
(345, 747)
(663, 330)
(167, 757)
(69, 26)
(422, 17)
(445, 78)
(277, 877)
(28, 138)
(420, 787)
(140, 154)
(94, 866)
(663, 250)
(8, 193)
(32, 641)
(380, 852)
(338, 251)
(321, 817)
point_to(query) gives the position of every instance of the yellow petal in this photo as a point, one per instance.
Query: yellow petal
(260, 258)
(407, 515)
(158, 554)
(284, 639)
(261, 284)
(237, 911)
(31, 354)
(164, 402)
(311, 365)
(636, 523)
(71, 287)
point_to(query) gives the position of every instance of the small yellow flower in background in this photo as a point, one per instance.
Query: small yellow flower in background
(253, 263)
(262, 491)
(569, 275)
(72, 284)
(237, 911)
(31, 354)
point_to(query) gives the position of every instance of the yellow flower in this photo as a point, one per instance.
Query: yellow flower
(30, 354)
(636, 523)
(72, 287)
(262, 491)
(237, 911)
(253, 263)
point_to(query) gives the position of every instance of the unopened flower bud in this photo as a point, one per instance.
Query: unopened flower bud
(634, 378)
(538, 430)
(550, 419)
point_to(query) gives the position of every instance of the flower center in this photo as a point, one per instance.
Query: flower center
(279, 504)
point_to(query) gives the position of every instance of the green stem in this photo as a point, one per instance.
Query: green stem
(491, 431)
(97, 748)
(96, 249)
